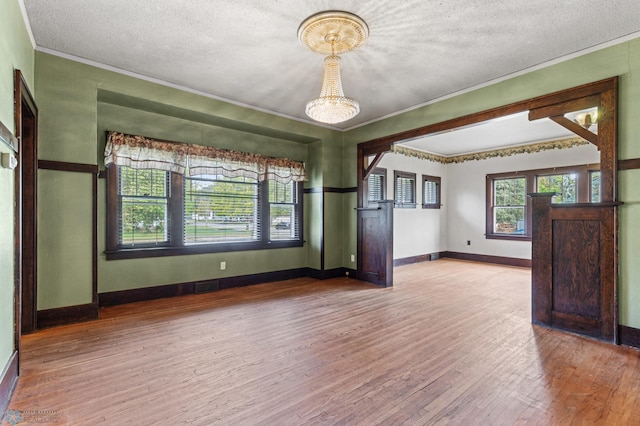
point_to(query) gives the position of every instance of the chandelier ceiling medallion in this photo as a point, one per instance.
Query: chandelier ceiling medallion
(332, 33)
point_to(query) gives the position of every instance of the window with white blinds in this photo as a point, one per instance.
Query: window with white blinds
(376, 185)
(143, 207)
(220, 209)
(430, 192)
(168, 212)
(405, 189)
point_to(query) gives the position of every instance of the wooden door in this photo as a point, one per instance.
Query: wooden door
(375, 244)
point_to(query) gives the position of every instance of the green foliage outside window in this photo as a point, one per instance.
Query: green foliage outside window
(144, 206)
(509, 201)
(564, 185)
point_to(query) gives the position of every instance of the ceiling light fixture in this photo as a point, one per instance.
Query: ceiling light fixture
(332, 33)
(587, 119)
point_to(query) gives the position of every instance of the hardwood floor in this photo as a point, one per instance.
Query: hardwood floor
(450, 343)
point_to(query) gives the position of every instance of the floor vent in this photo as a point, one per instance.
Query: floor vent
(207, 286)
(434, 256)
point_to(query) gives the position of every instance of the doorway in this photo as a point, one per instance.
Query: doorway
(26, 127)
(546, 289)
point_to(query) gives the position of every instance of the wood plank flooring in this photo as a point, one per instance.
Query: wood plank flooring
(450, 343)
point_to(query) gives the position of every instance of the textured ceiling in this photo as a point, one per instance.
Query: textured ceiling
(247, 51)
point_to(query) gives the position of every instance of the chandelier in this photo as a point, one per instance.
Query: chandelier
(332, 33)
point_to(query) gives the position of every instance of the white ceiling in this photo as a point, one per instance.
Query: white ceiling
(511, 130)
(247, 51)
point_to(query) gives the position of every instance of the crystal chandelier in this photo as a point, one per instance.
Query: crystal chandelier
(331, 33)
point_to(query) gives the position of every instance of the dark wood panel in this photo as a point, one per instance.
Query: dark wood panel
(630, 164)
(499, 260)
(120, 297)
(112, 298)
(577, 324)
(629, 336)
(412, 259)
(67, 315)
(328, 273)
(375, 244)
(541, 259)
(8, 380)
(26, 223)
(64, 166)
(317, 190)
(576, 267)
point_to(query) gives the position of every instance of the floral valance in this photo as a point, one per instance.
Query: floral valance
(139, 152)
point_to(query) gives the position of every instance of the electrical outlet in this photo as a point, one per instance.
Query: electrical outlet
(223, 265)
(353, 257)
(468, 242)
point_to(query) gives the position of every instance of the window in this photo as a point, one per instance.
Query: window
(430, 192)
(564, 185)
(509, 203)
(167, 198)
(377, 185)
(220, 209)
(283, 211)
(405, 189)
(143, 212)
(508, 211)
(163, 213)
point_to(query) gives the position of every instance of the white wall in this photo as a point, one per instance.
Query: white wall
(466, 198)
(416, 231)
(461, 218)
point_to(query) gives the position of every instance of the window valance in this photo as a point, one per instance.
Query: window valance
(139, 152)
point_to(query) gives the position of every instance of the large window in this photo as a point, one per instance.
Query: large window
(508, 209)
(405, 189)
(220, 209)
(162, 212)
(166, 198)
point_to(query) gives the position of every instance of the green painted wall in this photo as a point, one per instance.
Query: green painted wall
(78, 103)
(622, 60)
(334, 230)
(16, 52)
(65, 247)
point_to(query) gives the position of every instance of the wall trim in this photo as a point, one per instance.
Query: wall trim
(8, 381)
(412, 259)
(629, 336)
(324, 189)
(67, 315)
(500, 260)
(328, 273)
(630, 164)
(64, 166)
(120, 297)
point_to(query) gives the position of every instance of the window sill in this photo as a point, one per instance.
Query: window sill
(405, 206)
(508, 237)
(140, 253)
